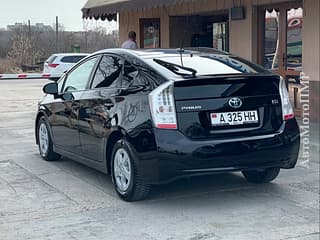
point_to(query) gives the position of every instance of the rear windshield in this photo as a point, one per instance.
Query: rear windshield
(72, 59)
(51, 59)
(212, 64)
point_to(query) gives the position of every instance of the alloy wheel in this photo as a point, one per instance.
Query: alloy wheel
(43, 139)
(122, 169)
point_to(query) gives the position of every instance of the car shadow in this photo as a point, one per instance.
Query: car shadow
(219, 185)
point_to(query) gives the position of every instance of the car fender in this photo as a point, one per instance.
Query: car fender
(43, 111)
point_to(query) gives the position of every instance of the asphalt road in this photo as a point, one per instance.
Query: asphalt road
(65, 200)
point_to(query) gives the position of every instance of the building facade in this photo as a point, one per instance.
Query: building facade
(281, 35)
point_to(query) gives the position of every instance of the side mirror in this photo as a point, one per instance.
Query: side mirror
(51, 88)
(67, 96)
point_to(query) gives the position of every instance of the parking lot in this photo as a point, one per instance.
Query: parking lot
(66, 200)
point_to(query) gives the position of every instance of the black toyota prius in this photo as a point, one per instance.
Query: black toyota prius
(151, 116)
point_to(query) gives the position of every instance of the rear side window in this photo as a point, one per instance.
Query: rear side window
(133, 77)
(71, 59)
(51, 59)
(130, 74)
(108, 73)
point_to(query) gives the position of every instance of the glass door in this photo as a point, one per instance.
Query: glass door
(281, 48)
(272, 35)
(150, 33)
(293, 55)
(220, 36)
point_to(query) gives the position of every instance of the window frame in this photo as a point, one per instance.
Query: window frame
(98, 57)
(90, 87)
(62, 79)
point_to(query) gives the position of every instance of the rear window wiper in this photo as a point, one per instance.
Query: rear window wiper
(175, 68)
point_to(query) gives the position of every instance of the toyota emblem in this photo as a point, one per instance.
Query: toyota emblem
(235, 102)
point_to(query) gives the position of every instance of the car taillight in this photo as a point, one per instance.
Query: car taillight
(287, 110)
(162, 107)
(53, 65)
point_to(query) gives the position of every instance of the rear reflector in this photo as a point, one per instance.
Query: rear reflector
(167, 126)
(288, 116)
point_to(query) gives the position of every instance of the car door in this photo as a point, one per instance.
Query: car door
(65, 109)
(98, 107)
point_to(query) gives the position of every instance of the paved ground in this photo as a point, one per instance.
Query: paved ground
(65, 200)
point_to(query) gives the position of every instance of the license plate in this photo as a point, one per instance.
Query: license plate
(234, 118)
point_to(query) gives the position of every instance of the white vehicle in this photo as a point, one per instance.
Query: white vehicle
(58, 63)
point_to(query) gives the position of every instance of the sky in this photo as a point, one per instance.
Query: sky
(45, 11)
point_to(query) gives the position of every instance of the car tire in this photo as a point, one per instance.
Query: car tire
(45, 143)
(261, 176)
(125, 173)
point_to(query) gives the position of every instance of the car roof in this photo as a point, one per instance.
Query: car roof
(145, 55)
(162, 52)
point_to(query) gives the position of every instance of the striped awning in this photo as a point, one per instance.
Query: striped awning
(108, 9)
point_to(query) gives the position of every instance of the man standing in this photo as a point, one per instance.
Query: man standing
(131, 42)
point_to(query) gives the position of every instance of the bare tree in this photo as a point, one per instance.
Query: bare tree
(99, 36)
(25, 48)
(28, 46)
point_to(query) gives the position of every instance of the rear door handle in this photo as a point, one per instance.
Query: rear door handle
(75, 105)
(108, 104)
(107, 94)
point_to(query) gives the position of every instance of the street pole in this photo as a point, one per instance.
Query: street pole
(29, 29)
(57, 29)
(29, 42)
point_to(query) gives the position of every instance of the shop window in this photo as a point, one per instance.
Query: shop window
(220, 36)
(281, 45)
(150, 33)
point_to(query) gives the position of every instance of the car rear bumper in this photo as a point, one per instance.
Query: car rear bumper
(178, 156)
